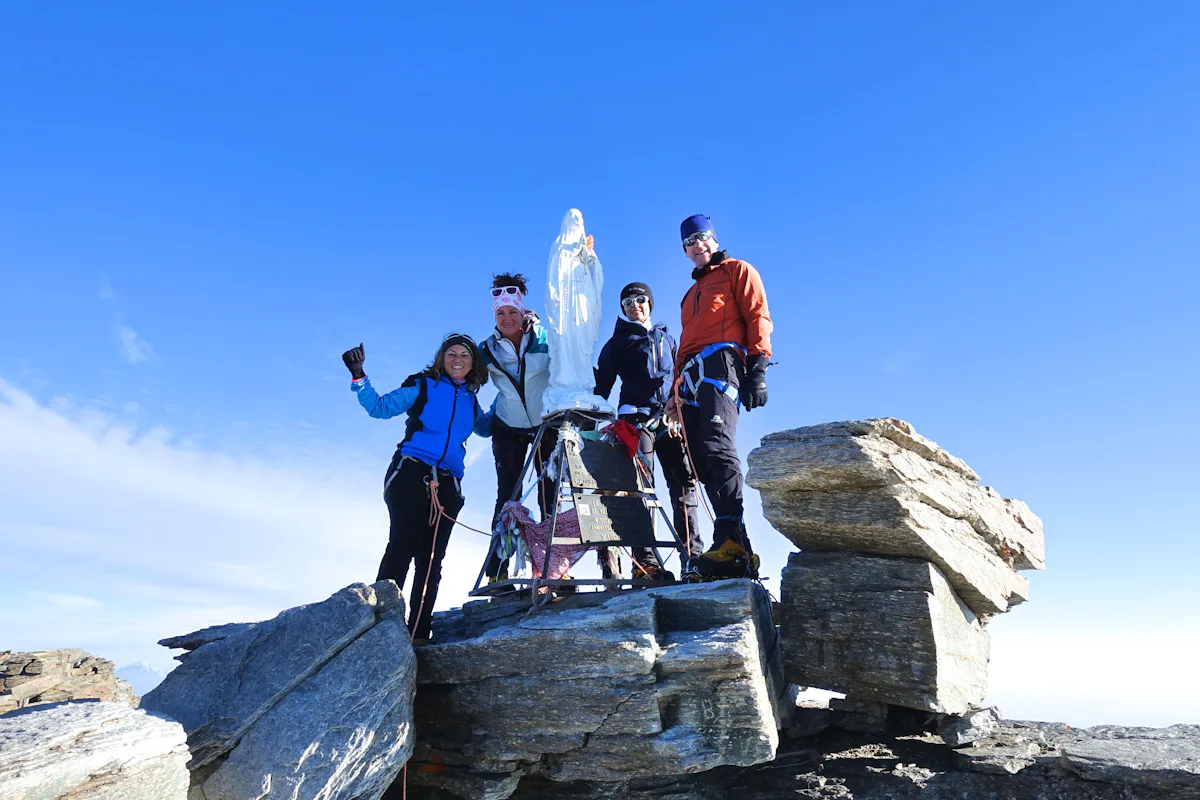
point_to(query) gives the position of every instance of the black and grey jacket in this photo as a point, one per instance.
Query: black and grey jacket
(644, 360)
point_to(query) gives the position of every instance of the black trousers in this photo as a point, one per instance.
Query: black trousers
(680, 487)
(412, 539)
(711, 427)
(509, 448)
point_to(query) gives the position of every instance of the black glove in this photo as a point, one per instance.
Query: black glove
(753, 391)
(354, 358)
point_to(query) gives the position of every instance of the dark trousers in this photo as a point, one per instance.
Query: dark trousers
(711, 427)
(509, 448)
(680, 486)
(412, 539)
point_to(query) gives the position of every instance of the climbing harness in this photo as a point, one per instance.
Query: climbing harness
(696, 363)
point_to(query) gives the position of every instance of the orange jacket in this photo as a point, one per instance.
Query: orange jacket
(726, 304)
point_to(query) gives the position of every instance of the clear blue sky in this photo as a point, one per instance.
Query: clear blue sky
(978, 218)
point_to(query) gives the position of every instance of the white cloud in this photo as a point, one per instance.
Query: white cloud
(70, 600)
(123, 537)
(135, 349)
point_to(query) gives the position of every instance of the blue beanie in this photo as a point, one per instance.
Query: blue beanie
(694, 224)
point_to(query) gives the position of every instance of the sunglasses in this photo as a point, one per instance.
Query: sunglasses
(702, 236)
(627, 302)
(502, 290)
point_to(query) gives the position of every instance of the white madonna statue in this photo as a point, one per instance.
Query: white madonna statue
(575, 280)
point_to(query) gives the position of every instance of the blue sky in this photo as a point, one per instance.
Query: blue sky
(978, 219)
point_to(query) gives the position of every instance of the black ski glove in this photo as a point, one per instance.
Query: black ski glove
(354, 358)
(753, 391)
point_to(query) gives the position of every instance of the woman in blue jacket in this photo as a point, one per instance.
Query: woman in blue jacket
(443, 410)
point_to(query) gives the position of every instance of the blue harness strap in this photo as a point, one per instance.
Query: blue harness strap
(724, 387)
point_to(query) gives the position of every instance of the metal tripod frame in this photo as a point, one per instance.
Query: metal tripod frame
(565, 422)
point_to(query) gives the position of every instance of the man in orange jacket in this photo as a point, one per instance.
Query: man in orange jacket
(724, 351)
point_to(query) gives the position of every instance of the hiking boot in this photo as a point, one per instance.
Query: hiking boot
(730, 560)
(502, 575)
(653, 572)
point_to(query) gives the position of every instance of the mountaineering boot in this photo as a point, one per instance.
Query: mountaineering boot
(730, 560)
(730, 557)
(653, 572)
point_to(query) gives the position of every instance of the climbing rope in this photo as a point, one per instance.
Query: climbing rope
(687, 448)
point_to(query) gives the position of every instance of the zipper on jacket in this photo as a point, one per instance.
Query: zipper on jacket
(449, 426)
(518, 382)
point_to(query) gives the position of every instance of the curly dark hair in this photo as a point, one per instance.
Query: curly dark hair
(510, 279)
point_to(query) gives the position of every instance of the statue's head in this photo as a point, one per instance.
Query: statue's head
(571, 232)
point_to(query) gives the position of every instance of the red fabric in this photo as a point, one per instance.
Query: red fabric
(627, 434)
(537, 534)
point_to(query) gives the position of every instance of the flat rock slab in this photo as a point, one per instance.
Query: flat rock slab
(1166, 759)
(889, 630)
(55, 676)
(876, 486)
(315, 703)
(603, 688)
(91, 750)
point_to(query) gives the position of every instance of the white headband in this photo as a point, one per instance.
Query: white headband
(513, 299)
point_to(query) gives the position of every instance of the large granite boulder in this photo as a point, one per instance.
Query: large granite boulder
(597, 687)
(91, 750)
(53, 676)
(878, 487)
(889, 630)
(316, 702)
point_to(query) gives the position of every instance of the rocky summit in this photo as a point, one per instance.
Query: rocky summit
(688, 692)
(601, 687)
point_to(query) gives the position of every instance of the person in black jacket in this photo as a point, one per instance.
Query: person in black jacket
(642, 355)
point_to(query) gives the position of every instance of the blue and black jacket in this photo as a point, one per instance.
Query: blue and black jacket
(442, 413)
(644, 360)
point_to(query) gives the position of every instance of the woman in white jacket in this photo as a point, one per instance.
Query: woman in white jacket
(517, 357)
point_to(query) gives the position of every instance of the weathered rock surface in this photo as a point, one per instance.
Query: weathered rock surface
(316, 702)
(889, 630)
(91, 750)
(959, 730)
(878, 487)
(53, 676)
(597, 687)
(1166, 759)
(840, 765)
